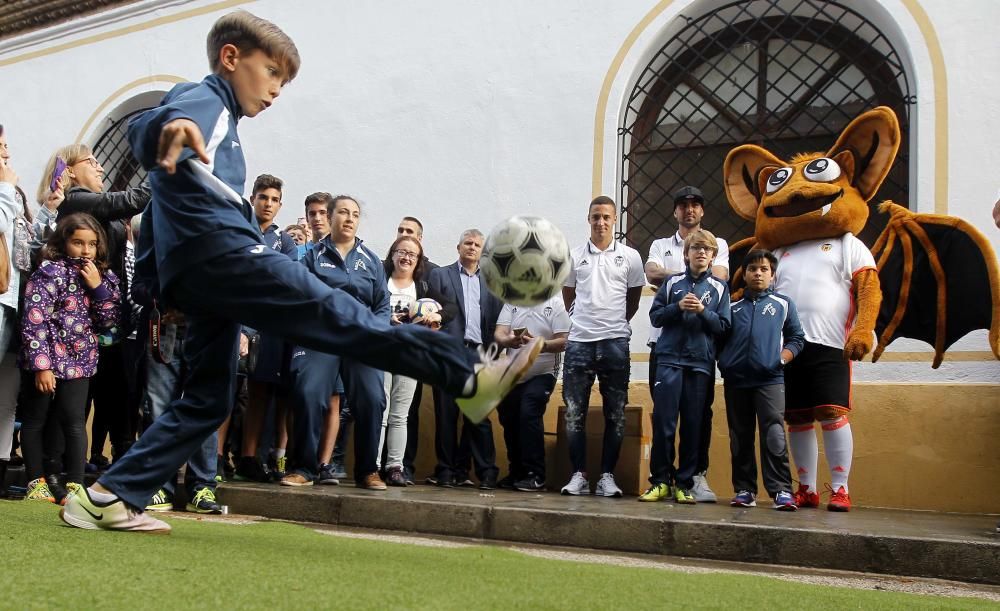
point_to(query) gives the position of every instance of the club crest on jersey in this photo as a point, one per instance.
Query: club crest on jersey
(826, 247)
(769, 310)
(619, 260)
(359, 264)
(706, 298)
(547, 311)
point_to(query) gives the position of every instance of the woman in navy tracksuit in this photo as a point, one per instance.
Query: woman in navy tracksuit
(341, 261)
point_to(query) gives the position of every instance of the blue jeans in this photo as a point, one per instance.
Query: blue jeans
(608, 360)
(162, 387)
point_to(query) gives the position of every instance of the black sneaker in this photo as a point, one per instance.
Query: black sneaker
(326, 476)
(408, 477)
(220, 469)
(463, 481)
(488, 483)
(204, 502)
(249, 469)
(506, 482)
(395, 477)
(57, 487)
(532, 483)
(338, 470)
(441, 482)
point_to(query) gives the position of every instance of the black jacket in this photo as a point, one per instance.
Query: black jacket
(111, 209)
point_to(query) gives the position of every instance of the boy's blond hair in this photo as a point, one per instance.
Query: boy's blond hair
(248, 33)
(702, 237)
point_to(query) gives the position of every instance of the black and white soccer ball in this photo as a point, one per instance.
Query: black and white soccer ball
(525, 260)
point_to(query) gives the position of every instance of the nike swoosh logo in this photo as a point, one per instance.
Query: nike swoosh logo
(92, 514)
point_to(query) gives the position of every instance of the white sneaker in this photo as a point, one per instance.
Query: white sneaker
(578, 485)
(701, 492)
(496, 378)
(607, 486)
(83, 512)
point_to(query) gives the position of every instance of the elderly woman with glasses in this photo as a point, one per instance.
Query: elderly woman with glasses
(404, 269)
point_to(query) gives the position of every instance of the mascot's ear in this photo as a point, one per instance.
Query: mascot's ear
(872, 139)
(742, 170)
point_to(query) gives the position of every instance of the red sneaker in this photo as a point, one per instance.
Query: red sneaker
(804, 497)
(839, 499)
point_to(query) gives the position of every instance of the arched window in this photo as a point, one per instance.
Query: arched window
(121, 169)
(787, 75)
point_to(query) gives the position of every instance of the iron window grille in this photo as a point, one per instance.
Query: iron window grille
(121, 169)
(787, 75)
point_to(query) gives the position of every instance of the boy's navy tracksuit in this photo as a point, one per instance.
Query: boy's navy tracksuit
(685, 357)
(750, 361)
(361, 275)
(212, 264)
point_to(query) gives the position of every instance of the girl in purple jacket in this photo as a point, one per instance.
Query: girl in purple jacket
(70, 297)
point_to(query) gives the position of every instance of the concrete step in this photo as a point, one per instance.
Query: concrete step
(959, 547)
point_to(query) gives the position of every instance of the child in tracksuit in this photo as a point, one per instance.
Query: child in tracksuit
(692, 309)
(765, 335)
(210, 262)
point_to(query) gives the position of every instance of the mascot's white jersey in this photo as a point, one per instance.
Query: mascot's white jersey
(817, 275)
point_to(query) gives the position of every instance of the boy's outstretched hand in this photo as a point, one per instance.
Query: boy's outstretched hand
(173, 138)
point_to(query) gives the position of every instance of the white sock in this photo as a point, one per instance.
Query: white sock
(838, 441)
(101, 497)
(805, 452)
(278, 453)
(470, 386)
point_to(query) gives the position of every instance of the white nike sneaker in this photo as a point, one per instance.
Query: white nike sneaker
(700, 490)
(496, 378)
(578, 485)
(606, 486)
(83, 512)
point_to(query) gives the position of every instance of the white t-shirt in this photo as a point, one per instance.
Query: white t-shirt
(401, 298)
(543, 320)
(668, 253)
(817, 275)
(602, 280)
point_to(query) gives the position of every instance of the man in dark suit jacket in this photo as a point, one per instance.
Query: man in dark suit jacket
(477, 310)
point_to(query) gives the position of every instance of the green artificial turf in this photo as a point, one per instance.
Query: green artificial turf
(206, 565)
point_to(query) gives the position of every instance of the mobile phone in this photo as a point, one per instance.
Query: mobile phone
(57, 174)
(518, 332)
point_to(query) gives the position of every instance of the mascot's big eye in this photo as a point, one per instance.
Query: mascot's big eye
(823, 169)
(778, 178)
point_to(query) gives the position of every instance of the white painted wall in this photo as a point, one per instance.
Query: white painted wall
(463, 113)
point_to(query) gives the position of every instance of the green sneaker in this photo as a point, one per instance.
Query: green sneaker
(684, 496)
(495, 377)
(161, 501)
(204, 502)
(38, 490)
(73, 488)
(656, 492)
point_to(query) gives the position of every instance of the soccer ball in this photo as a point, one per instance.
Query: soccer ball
(422, 307)
(525, 260)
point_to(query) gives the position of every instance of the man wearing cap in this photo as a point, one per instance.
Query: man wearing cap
(666, 258)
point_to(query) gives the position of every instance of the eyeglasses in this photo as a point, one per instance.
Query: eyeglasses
(90, 160)
(406, 254)
(701, 249)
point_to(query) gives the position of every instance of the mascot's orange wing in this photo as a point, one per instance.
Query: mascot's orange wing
(939, 281)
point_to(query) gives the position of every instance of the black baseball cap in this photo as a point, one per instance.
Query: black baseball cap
(688, 193)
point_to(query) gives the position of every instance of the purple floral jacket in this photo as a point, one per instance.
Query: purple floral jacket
(60, 316)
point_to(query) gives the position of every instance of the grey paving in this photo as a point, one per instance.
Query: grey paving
(922, 544)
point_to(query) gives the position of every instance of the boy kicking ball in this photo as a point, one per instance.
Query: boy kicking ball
(209, 261)
(765, 335)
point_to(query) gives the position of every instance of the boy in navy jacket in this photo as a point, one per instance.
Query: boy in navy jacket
(692, 308)
(765, 335)
(212, 263)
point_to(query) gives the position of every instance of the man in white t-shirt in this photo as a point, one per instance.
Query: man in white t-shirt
(666, 258)
(602, 294)
(521, 412)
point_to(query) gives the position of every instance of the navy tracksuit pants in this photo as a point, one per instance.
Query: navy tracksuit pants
(679, 392)
(267, 291)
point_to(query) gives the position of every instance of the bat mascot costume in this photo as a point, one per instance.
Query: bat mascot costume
(931, 277)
